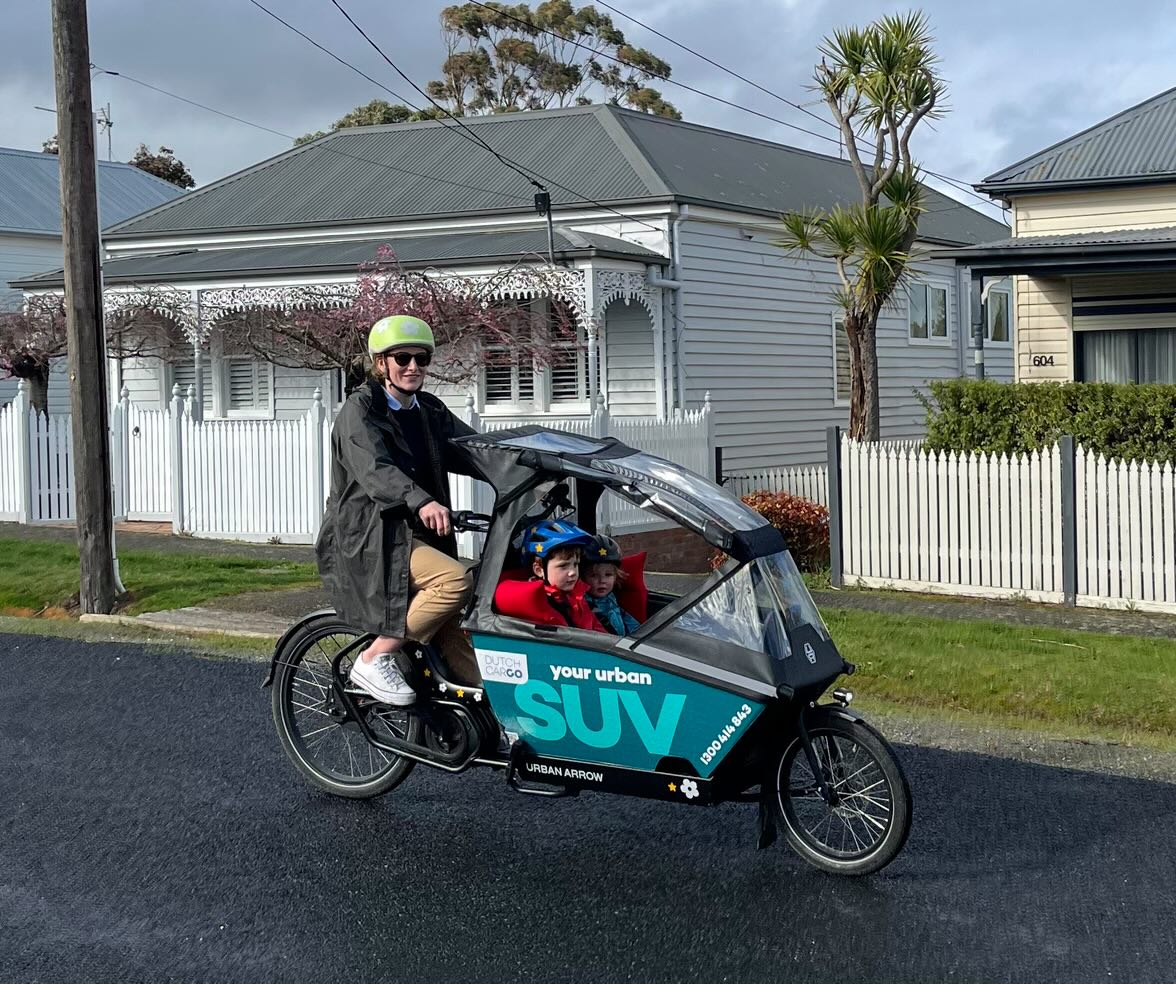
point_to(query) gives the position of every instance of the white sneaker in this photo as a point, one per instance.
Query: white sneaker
(382, 679)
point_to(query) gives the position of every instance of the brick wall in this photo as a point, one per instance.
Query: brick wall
(675, 551)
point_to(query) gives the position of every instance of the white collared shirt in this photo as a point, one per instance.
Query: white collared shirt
(395, 404)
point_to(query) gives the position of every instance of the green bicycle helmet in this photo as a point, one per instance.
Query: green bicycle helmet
(399, 330)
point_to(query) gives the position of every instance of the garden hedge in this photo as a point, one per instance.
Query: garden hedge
(1128, 421)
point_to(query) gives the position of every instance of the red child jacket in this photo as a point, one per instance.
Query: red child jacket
(570, 607)
(542, 604)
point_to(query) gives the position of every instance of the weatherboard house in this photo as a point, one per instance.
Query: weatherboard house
(1092, 252)
(30, 226)
(663, 232)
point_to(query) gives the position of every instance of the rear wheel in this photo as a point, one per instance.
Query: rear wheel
(868, 824)
(325, 744)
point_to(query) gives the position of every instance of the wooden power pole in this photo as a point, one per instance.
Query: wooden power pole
(83, 305)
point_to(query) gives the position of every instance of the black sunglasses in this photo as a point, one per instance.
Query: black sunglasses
(404, 358)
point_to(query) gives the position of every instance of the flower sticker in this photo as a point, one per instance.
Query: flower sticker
(689, 788)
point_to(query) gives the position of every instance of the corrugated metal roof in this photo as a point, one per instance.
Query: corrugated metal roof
(1136, 144)
(1122, 237)
(452, 249)
(600, 153)
(733, 171)
(30, 192)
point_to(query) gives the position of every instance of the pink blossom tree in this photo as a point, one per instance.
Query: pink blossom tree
(477, 322)
(33, 337)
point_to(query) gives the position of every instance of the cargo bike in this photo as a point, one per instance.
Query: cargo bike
(723, 694)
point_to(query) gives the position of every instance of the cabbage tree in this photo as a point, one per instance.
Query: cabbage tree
(879, 82)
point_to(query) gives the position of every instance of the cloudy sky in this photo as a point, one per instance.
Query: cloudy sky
(1022, 74)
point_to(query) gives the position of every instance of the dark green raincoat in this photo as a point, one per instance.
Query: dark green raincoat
(365, 541)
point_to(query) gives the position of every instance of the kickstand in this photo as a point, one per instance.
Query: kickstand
(767, 824)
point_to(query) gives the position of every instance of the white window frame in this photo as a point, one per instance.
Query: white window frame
(216, 406)
(837, 319)
(580, 348)
(542, 401)
(988, 340)
(514, 406)
(926, 286)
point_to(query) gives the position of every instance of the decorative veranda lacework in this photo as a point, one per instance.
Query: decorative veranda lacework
(196, 311)
(611, 285)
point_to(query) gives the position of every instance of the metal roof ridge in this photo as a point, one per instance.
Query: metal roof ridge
(611, 121)
(994, 178)
(484, 119)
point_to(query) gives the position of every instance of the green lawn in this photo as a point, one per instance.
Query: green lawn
(1061, 682)
(39, 575)
(1066, 682)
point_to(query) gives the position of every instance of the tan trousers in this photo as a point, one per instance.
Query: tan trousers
(441, 588)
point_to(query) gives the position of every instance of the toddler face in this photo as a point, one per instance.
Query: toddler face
(601, 579)
(563, 569)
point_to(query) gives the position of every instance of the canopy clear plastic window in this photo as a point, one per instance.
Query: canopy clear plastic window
(661, 479)
(757, 608)
(554, 443)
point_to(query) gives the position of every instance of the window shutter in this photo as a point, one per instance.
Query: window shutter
(568, 383)
(526, 383)
(247, 384)
(184, 376)
(496, 382)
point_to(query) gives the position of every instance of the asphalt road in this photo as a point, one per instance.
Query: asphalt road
(150, 830)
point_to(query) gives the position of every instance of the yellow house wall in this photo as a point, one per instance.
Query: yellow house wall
(1044, 339)
(1102, 210)
(1044, 323)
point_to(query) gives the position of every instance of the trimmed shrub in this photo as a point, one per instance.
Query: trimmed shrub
(1120, 420)
(805, 526)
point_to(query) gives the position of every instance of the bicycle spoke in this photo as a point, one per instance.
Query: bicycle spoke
(331, 745)
(864, 802)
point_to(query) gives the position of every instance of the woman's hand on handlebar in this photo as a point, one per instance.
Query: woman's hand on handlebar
(436, 518)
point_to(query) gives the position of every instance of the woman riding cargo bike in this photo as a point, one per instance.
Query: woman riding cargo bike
(714, 696)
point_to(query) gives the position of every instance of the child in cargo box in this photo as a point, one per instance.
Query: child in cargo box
(555, 548)
(602, 569)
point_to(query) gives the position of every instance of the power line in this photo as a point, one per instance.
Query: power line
(470, 135)
(465, 130)
(660, 78)
(723, 68)
(192, 102)
(327, 51)
(954, 182)
(333, 150)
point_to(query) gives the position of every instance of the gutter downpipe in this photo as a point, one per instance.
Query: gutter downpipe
(675, 394)
(964, 293)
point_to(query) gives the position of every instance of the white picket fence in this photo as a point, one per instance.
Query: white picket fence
(264, 479)
(807, 481)
(1126, 532)
(992, 526)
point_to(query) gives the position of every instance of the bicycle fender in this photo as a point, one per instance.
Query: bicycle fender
(289, 634)
(837, 710)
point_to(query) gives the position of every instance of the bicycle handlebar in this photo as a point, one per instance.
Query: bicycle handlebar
(465, 520)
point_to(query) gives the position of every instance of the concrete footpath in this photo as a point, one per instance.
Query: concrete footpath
(266, 614)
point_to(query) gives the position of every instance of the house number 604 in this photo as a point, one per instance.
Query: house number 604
(1043, 360)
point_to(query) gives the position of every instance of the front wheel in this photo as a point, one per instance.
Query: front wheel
(867, 825)
(317, 734)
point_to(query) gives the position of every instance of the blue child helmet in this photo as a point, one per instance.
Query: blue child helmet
(550, 534)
